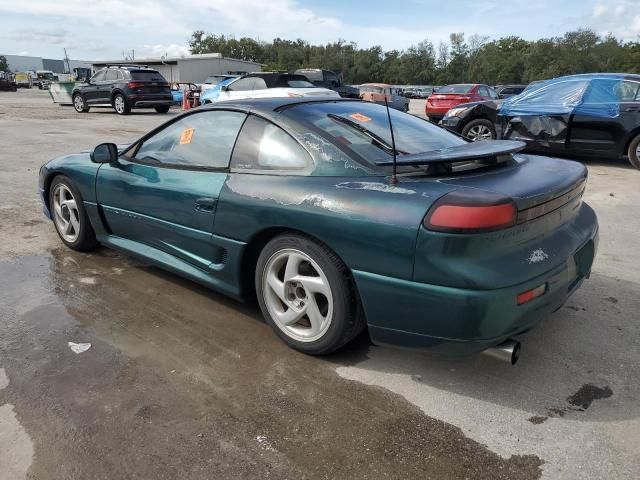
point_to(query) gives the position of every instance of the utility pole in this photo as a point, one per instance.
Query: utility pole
(66, 57)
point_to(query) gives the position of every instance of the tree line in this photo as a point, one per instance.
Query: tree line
(473, 59)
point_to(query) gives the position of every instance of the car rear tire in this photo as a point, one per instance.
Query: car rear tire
(634, 152)
(480, 129)
(162, 109)
(120, 105)
(69, 215)
(306, 295)
(79, 104)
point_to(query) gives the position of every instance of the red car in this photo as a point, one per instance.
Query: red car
(439, 103)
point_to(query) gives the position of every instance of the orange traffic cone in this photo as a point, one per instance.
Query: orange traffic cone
(186, 105)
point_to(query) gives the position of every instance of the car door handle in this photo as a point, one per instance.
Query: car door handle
(206, 204)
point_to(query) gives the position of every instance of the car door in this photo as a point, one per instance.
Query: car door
(163, 192)
(542, 117)
(90, 91)
(609, 110)
(105, 86)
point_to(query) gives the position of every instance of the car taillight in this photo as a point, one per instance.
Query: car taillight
(464, 211)
(532, 294)
(135, 84)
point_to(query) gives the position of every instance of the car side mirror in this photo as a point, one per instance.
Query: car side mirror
(105, 153)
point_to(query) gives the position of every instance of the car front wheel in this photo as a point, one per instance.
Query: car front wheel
(306, 295)
(79, 104)
(480, 129)
(634, 152)
(69, 215)
(120, 105)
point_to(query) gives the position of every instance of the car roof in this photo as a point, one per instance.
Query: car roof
(375, 85)
(593, 76)
(275, 79)
(270, 105)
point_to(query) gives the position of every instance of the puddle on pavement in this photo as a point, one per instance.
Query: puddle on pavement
(182, 382)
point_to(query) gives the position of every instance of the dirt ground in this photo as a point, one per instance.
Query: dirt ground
(180, 382)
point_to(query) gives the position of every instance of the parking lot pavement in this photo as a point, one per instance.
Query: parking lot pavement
(180, 382)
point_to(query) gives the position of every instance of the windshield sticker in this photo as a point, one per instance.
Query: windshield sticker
(187, 135)
(360, 117)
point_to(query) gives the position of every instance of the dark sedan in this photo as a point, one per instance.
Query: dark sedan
(312, 206)
(594, 115)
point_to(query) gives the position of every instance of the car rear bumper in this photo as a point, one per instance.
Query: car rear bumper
(455, 321)
(152, 103)
(148, 101)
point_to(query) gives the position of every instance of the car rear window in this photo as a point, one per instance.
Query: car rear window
(292, 81)
(300, 84)
(363, 128)
(147, 76)
(456, 89)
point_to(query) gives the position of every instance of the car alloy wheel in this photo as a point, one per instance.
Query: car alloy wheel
(65, 213)
(479, 132)
(78, 103)
(297, 295)
(119, 104)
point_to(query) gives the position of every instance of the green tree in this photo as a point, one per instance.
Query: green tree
(4, 65)
(505, 60)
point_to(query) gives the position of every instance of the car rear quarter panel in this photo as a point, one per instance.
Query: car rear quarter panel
(370, 224)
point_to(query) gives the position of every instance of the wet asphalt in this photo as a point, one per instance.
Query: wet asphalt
(180, 382)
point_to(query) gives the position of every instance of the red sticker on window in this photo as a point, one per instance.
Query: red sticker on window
(360, 117)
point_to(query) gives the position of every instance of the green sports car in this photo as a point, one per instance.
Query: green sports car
(336, 225)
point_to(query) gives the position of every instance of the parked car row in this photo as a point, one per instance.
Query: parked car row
(595, 115)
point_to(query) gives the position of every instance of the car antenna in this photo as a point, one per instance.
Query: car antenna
(394, 179)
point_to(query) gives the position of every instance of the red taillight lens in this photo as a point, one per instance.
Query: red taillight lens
(532, 294)
(471, 212)
(135, 84)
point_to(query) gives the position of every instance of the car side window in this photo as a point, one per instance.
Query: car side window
(120, 75)
(627, 91)
(483, 92)
(242, 85)
(203, 139)
(259, 84)
(111, 75)
(262, 145)
(99, 76)
(494, 94)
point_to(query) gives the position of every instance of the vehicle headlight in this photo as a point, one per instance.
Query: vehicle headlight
(454, 112)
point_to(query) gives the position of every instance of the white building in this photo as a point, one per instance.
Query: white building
(189, 68)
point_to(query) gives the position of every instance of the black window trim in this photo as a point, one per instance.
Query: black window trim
(129, 154)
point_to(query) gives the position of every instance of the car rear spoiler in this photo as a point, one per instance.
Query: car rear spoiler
(469, 151)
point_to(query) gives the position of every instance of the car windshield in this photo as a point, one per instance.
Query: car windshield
(456, 89)
(371, 89)
(363, 128)
(300, 84)
(147, 76)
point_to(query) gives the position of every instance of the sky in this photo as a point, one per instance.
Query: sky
(104, 29)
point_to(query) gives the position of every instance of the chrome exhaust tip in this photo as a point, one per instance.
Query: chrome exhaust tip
(508, 351)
